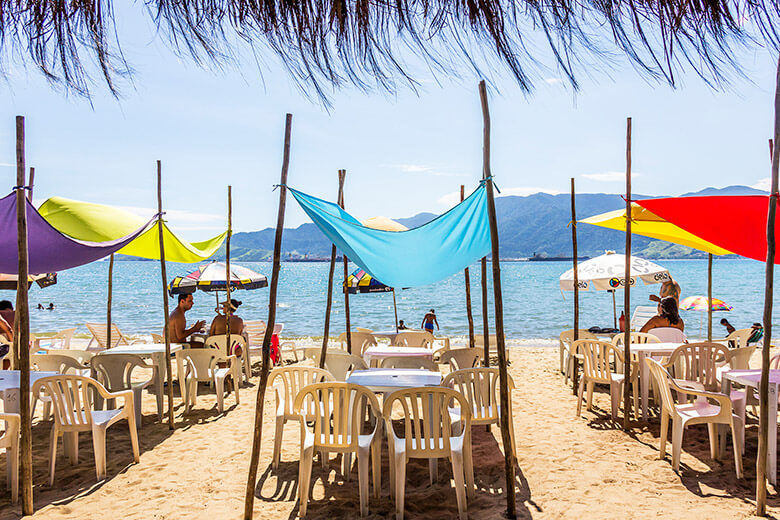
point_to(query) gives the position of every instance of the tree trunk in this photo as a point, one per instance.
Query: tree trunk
(347, 323)
(627, 294)
(485, 324)
(229, 306)
(574, 361)
(164, 278)
(331, 273)
(469, 314)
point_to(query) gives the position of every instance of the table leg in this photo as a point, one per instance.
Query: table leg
(10, 405)
(772, 437)
(644, 375)
(723, 429)
(159, 360)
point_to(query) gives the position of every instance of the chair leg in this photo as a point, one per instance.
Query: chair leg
(635, 392)
(278, 441)
(738, 438)
(433, 470)
(400, 487)
(55, 434)
(712, 430)
(590, 396)
(460, 488)
(614, 394)
(12, 456)
(131, 425)
(664, 433)
(46, 410)
(219, 387)
(99, 445)
(468, 462)
(137, 395)
(376, 466)
(304, 478)
(677, 436)
(579, 397)
(362, 461)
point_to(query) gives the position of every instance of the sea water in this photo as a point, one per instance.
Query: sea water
(534, 307)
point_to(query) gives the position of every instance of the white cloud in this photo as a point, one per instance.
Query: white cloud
(609, 176)
(421, 168)
(553, 81)
(6, 165)
(764, 184)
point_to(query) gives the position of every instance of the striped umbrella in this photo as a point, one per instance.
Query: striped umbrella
(699, 303)
(211, 277)
(362, 282)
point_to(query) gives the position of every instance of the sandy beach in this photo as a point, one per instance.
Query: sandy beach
(568, 467)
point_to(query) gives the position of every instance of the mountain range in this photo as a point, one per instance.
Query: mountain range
(533, 225)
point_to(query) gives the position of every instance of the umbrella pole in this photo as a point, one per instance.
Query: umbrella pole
(108, 302)
(164, 276)
(761, 469)
(347, 324)
(257, 434)
(229, 307)
(485, 325)
(469, 314)
(709, 297)
(395, 311)
(614, 311)
(331, 273)
(22, 336)
(627, 296)
(572, 358)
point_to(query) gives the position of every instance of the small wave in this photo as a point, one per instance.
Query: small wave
(283, 305)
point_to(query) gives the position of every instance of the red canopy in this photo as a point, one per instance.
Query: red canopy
(736, 223)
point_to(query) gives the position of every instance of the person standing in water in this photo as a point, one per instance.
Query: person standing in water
(428, 321)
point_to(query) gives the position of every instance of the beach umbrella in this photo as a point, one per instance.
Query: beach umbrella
(699, 303)
(8, 282)
(607, 273)
(362, 282)
(211, 277)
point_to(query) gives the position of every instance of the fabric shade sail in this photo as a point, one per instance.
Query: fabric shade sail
(648, 224)
(419, 256)
(100, 223)
(49, 250)
(734, 223)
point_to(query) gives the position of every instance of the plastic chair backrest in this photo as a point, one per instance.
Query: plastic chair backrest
(115, 371)
(699, 362)
(642, 315)
(71, 398)
(99, 333)
(426, 419)
(461, 358)
(289, 381)
(668, 334)
(81, 356)
(200, 362)
(480, 388)
(361, 329)
(566, 337)
(255, 330)
(596, 358)
(219, 342)
(774, 363)
(636, 337)
(739, 358)
(56, 363)
(414, 339)
(662, 379)
(409, 362)
(339, 364)
(342, 413)
(278, 327)
(739, 338)
(360, 341)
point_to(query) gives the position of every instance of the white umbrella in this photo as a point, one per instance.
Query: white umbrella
(608, 272)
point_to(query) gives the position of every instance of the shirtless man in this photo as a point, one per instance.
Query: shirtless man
(177, 324)
(668, 288)
(428, 320)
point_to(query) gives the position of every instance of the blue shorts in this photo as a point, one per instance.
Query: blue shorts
(429, 326)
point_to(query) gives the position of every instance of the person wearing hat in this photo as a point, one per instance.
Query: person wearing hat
(219, 324)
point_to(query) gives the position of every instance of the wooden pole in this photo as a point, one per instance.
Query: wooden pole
(509, 467)
(259, 404)
(342, 177)
(709, 297)
(22, 336)
(108, 300)
(485, 325)
(469, 315)
(395, 310)
(331, 274)
(763, 392)
(164, 279)
(229, 306)
(32, 184)
(627, 293)
(575, 362)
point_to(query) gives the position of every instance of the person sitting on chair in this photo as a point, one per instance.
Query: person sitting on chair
(177, 325)
(401, 325)
(668, 316)
(219, 324)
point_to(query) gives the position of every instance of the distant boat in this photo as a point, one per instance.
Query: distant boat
(539, 258)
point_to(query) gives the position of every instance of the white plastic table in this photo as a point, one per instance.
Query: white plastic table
(387, 380)
(379, 352)
(643, 350)
(751, 379)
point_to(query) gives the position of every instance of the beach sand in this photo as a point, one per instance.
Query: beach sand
(568, 467)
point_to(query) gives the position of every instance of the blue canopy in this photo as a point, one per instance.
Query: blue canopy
(419, 256)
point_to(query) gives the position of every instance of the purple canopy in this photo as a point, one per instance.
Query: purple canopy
(48, 249)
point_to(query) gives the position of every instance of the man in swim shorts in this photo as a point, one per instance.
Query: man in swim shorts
(428, 320)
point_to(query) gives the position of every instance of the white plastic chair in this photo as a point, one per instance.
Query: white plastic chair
(739, 338)
(360, 341)
(59, 341)
(287, 382)
(10, 441)
(81, 356)
(642, 314)
(72, 398)
(100, 335)
(409, 362)
(596, 356)
(341, 364)
(429, 434)
(636, 337)
(62, 364)
(565, 339)
(701, 411)
(461, 358)
(200, 365)
(220, 343)
(414, 339)
(115, 373)
(338, 427)
(668, 334)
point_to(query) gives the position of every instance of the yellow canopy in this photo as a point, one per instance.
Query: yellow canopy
(99, 223)
(648, 224)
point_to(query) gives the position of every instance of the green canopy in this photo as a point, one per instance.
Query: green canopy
(99, 223)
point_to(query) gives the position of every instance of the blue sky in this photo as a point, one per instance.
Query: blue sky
(404, 153)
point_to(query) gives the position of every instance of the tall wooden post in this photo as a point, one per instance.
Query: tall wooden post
(627, 293)
(509, 467)
(342, 177)
(395, 310)
(469, 315)
(573, 359)
(257, 434)
(108, 300)
(331, 273)
(164, 279)
(31, 184)
(709, 297)
(763, 391)
(229, 306)
(22, 335)
(485, 324)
